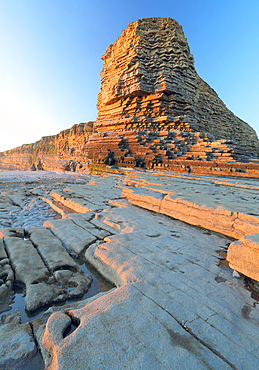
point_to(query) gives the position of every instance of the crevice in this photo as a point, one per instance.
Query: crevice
(10, 263)
(188, 330)
(75, 322)
(38, 353)
(82, 253)
(42, 258)
(66, 267)
(26, 235)
(34, 336)
(71, 252)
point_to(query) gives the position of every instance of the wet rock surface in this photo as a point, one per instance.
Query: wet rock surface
(174, 305)
(17, 345)
(36, 270)
(6, 274)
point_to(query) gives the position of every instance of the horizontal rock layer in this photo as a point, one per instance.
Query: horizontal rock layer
(153, 111)
(243, 255)
(63, 151)
(149, 80)
(171, 150)
(174, 305)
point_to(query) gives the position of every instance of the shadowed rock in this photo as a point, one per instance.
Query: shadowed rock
(17, 345)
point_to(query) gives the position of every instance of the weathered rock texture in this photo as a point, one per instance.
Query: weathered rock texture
(149, 82)
(63, 151)
(171, 150)
(153, 111)
(174, 306)
(243, 255)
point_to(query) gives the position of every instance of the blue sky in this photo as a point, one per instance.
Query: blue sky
(51, 57)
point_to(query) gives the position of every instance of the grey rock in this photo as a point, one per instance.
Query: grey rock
(82, 221)
(14, 318)
(51, 249)
(26, 262)
(81, 282)
(41, 294)
(63, 276)
(17, 232)
(3, 254)
(73, 237)
(17, 345)
(6, 280)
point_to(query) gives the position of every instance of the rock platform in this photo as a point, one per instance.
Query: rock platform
(174, 306)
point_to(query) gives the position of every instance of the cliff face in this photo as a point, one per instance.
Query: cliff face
(153, 111)
(149, 83)
(63, 151)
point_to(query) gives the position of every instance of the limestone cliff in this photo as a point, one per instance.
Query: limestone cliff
(149, 82)
(63, 151)
(153, 111)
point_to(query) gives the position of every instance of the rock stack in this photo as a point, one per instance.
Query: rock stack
(151, 94)
(153, 111)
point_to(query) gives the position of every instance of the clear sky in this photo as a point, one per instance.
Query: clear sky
(51, 57)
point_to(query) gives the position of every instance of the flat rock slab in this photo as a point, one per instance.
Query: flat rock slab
(97, 193)
(82, 221)
(51, 249)
(243, 256)
(29, 267)
(175, 306)
(16, 196)
(4, 201)
(152, 339)
(236, 195)
(73, 237)
(195, 205)
(77, 207)
(219, 219)
(17, 345)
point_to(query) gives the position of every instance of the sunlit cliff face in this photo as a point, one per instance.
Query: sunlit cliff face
(144, 76)
(149, 82)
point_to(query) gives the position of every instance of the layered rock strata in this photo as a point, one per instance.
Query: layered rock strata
(171, 150)
(153, 111)
(148, 82)
(243, 255)
(174, 306)
(63, 151)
